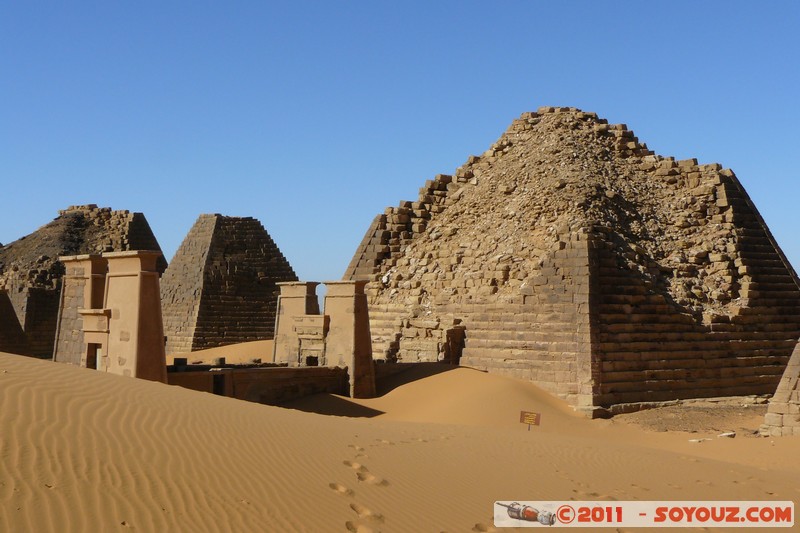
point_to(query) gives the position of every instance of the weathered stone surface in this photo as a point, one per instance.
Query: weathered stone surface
(573, 256)
(221, 286)
(30, 273)
(783, 414)
(83, 287)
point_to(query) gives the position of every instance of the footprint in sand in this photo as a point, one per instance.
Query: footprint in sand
(366, 477)
(366, 513)
(585, 494)
(358, 467)
(356, 447)
(338, 488)
(483, 528)
(384, 441)
(358, 528)
(363, 474)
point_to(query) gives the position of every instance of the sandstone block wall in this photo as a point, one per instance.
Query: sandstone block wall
(221, 287)
(571, 255)
(69, 344)
(545, 336)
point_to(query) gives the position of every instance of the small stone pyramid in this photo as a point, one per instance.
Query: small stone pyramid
(571, 255)
(220, 287)
(30, 273)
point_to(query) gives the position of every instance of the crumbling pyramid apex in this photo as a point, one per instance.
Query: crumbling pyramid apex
(571, 255)
(221, 286)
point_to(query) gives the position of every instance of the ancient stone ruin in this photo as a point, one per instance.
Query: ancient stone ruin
(110, 315)
(571, 255)
(338, 338)
(221, 286)
(30, 273)
(783, 414)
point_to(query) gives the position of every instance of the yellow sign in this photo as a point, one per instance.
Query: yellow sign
(530, 418)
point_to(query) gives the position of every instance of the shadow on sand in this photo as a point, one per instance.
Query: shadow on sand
(388, 378)
(396, 375)
(332, 405)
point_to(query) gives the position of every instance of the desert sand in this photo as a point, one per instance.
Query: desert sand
(86, 451)
(242, 353)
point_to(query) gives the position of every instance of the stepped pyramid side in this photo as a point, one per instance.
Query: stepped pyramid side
(182, 285)
(31, 274)
(221, 287)
(571, 255)
(783, 414)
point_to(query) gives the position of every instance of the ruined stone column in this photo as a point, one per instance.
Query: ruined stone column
(783, 414)
(348, 342)
(83, 286)
(296, 298)
(136, 331)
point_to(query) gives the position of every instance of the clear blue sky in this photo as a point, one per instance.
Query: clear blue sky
(315, 116)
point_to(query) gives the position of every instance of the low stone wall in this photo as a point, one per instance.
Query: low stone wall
(271, 385)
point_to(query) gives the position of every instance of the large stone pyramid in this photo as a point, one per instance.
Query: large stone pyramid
(30, 273)
(220, 287)
(570, 255)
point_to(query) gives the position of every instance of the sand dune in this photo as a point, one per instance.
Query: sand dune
(87, 451)
(244, 352)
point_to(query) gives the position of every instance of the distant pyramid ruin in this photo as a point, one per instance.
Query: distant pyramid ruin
(220, 287)
(30, 273)
(571, 255)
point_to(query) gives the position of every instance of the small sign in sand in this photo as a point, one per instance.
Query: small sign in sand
(530, 418)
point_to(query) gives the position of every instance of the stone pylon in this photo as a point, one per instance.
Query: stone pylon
(348, 342)
(115, 301)
(296, 298)
(338, 338)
